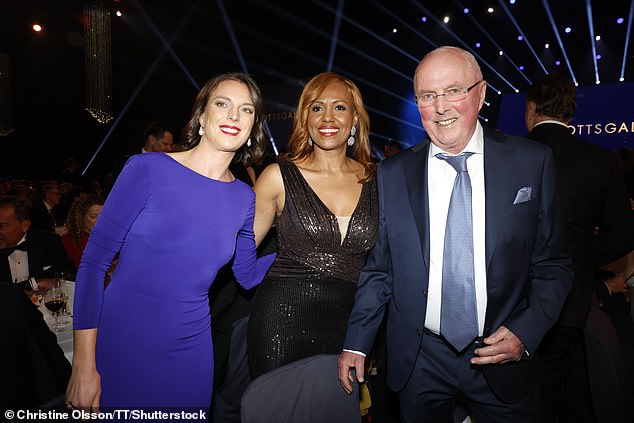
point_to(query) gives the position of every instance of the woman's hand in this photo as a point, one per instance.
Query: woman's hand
(84, 390)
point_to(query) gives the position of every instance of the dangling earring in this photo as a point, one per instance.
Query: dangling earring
(353, 132)
(310, 142)
(249, 142)
(201, 131)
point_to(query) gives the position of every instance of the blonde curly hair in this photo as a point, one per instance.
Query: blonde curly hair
(77, 214)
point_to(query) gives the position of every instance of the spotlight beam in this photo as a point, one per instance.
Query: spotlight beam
(519, 29)
(139, 87)
(367, 31)
(232, 35)
(335, 33)
(592, 41)
(243, 63)
(561, 44)
(465, 45)
(495, 43)
(403, 23)
(627, 38)
(325, 35)
(166, 45)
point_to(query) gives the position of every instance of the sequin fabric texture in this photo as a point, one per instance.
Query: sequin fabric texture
(302, 307)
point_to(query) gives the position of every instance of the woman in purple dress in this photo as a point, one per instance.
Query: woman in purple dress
(175, 220)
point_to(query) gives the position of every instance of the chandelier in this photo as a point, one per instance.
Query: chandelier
(98, 63)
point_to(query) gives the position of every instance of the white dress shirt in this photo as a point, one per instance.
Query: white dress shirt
(19, 264)
(440, 180)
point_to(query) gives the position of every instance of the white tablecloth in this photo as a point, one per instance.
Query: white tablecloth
(65, 338)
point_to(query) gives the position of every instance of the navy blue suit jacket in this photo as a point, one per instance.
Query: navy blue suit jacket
(528, 274)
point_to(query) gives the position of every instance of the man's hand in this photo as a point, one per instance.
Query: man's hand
(348, 361)
(616, 284)
(502, 347)
(47, 282)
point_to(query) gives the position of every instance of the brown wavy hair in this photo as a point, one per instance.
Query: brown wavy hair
(298, 147)
(247, 155)
(76, 214)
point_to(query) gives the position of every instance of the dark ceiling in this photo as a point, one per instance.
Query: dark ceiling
(163, 50)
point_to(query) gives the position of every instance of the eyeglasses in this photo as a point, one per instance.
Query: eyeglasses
(452, 94)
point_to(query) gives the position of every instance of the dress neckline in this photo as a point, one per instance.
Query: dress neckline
(189, 170)
(327, 210)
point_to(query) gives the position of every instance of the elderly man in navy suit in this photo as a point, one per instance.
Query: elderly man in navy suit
(469, 264)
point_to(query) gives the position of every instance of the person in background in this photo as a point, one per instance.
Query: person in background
(322, 197)
(28, 257)
(158, 138)
(175, 219)
(33, 368)
(43, 211)
(81, 218)
(391, 148)
(469, 261)
(593, 195)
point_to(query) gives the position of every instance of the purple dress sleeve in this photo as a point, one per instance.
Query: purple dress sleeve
(243, 267)
(124, 203)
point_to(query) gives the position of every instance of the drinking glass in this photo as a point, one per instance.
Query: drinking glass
(54, 299)
(62, 278)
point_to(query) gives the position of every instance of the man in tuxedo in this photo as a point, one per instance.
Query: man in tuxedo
(593, 195)
(33, 367)
(43, 212)
(28, 257)
(469, 262)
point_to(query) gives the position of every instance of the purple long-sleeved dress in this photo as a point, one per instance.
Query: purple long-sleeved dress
(175, 229)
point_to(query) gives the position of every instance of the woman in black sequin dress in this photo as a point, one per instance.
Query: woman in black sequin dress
(322, 198)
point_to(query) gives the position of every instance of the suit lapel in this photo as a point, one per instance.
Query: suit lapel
(415, 168)
(498, 166)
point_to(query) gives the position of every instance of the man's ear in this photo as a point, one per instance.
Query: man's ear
(25, 224)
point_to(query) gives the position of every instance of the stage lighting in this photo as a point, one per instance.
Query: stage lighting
(620, 21)
(597, 38)
(118, 13)
(547, 45)
(501, 53)
(567, 30)
(37, 27)
(446, 19)
(466, 10)
(478, 45)
(490, 10)
(520, 38)
(557, 63)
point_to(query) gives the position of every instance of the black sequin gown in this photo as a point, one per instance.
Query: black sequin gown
(302, 306)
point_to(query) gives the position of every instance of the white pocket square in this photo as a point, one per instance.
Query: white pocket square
(523, 195)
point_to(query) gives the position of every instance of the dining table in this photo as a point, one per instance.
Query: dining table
(65, 335)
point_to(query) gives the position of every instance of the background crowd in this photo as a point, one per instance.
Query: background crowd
(333, 220)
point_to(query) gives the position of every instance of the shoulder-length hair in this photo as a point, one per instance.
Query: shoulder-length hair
(247, 155)
(298, 147)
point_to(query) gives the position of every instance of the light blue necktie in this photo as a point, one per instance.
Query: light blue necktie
(458, 311)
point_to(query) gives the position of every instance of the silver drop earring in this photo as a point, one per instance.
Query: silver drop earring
(353, 132)
(201, 131)
(310, 141)
(249, 142)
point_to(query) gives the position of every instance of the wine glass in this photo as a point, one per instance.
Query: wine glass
(54, 299)
(62, 278)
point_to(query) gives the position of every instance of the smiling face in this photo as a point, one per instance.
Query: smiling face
(449, 125)
(228, 117)
(331, 116)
